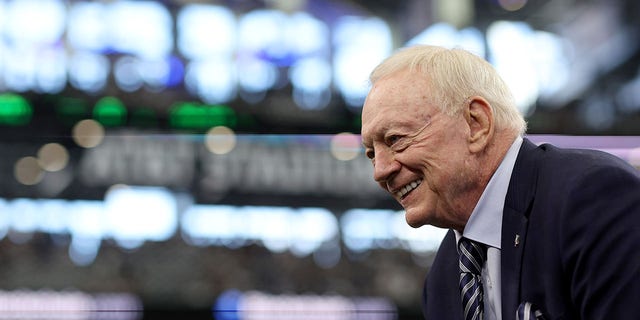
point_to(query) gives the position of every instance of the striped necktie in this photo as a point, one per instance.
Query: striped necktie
(472, 257)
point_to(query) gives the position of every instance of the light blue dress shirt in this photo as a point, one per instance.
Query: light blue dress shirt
(485, 226)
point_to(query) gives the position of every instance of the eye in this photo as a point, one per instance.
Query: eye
(392, 139)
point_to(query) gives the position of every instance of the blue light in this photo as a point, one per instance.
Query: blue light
(227, 306)
(127, 74)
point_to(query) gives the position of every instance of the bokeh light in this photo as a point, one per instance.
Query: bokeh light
(345, 146)
(88, 133)
(53, 157)
(512, 5)
(27, 171)
(220, 140)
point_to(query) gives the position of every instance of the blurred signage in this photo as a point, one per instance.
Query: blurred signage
(70, 304)
(259, 164)
(254, 305)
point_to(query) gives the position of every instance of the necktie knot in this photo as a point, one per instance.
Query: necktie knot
(472, 255)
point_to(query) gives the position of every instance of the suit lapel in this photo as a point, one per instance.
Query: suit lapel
(514, 231)
(515, 223)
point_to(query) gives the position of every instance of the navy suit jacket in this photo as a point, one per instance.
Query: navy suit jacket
(576, 215)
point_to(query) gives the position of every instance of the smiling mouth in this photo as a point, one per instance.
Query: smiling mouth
(408, 188)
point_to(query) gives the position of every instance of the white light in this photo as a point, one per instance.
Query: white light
(360, 44)
(3, 17)
(300, 231)
(3, 49)
(5, 218)
(86, 27)
(256, 75)
(418, 240)
(21, 64)
(35, 22)
(443, 34)
(136, 214)
(86, 219)
(511, 44)
(51, 74)
(551, 61)
(206, 30)
(311, 80)
(255, 305)
(212, 80)
(142, 28)
(365, 229)
(67, 304)
(307, 35)
(261, 34)
(24, 217)
(311, 74)
(55, 217)
(207, 224)
(86, 224)
(313, 227)
(88, 71)
(276, 227)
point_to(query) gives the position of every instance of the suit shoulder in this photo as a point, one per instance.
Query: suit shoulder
(557, 159)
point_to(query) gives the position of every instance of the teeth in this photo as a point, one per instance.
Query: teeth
(404, 190)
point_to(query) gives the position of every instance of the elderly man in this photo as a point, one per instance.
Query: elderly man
(536, 231)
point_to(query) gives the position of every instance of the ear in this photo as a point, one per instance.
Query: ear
(479, 117)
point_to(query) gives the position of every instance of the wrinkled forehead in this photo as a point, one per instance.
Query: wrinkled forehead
(403, 92)
(394, 103)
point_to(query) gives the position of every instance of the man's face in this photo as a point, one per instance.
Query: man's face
(418, 153)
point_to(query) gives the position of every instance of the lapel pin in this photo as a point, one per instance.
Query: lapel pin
(516, 241)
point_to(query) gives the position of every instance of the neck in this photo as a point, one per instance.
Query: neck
(484, 166)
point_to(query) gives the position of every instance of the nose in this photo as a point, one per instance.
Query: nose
(385, 166)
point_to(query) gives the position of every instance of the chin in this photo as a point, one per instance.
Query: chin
(414, 221)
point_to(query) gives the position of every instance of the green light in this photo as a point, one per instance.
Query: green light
(191, 115)
(110, 112)
(144, 117)
(15, 110)
(71, 110)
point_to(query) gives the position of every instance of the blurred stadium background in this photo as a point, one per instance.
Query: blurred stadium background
(201, 159)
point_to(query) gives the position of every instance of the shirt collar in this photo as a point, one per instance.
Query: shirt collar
(485, 222)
